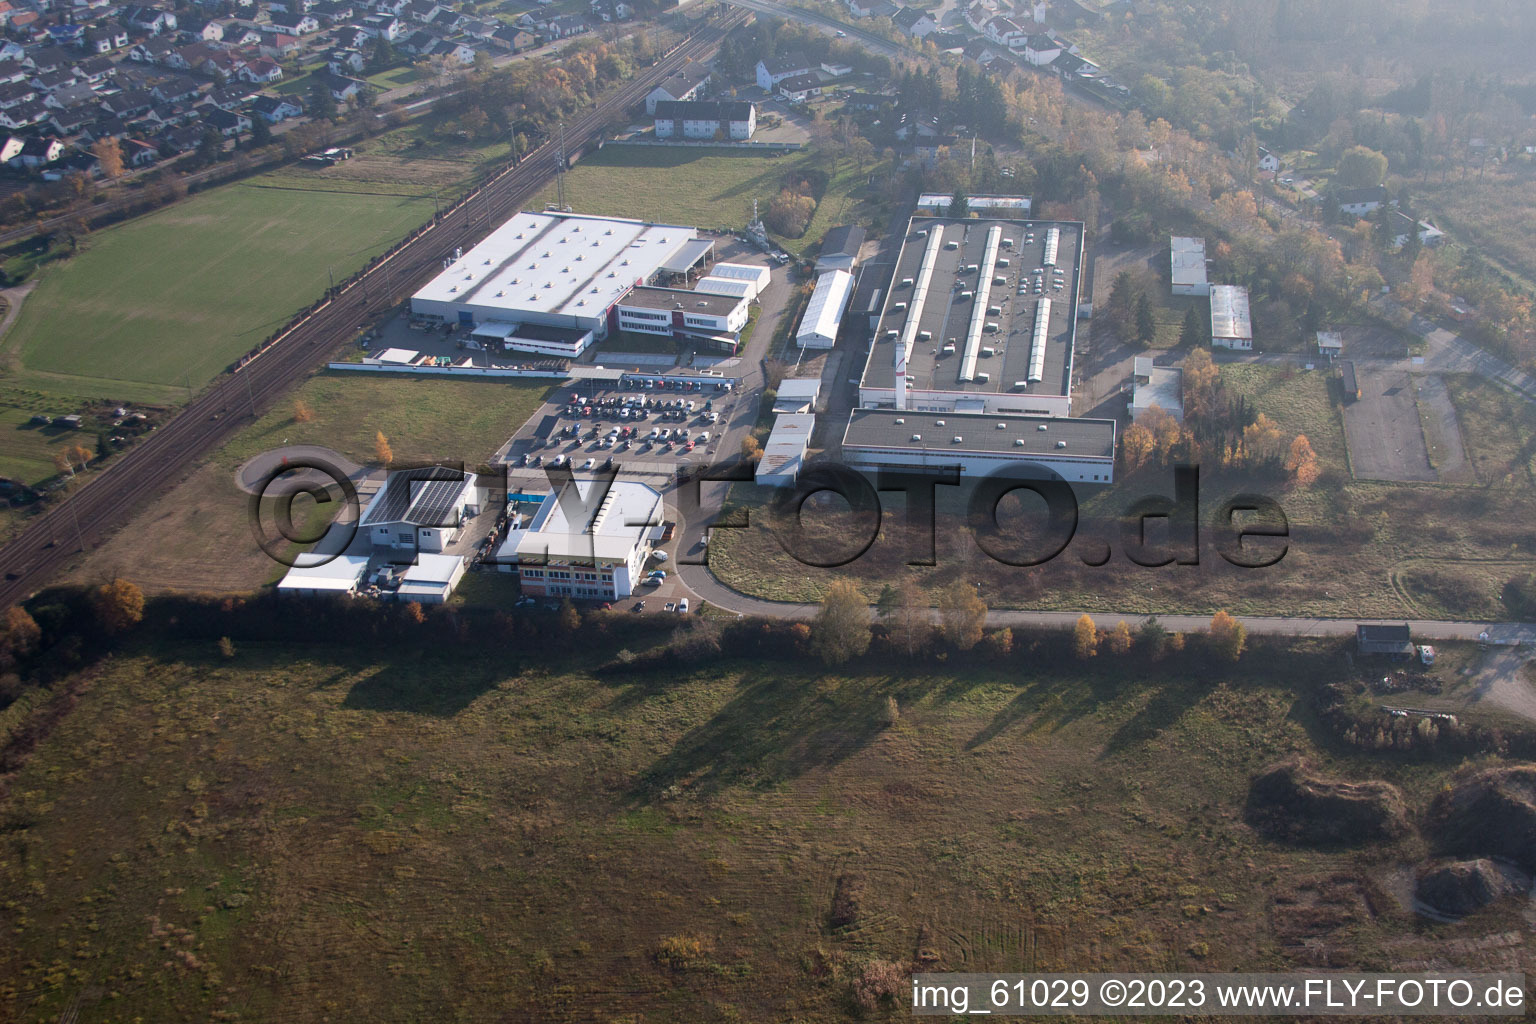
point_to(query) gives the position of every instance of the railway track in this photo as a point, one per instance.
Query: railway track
(235, 399)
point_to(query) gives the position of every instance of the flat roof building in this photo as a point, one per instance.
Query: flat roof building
(1330, 343)
(784, 451)
(420, 509)
(824, 313)
(1077, 450)
(937, 204)
(981, 316)
(431, 579)
(585, 542)
(1153, 385)
(797, 394)
(339, 575)
(556, 270)
(1231, 323)
(713, 320)
(1187, 259)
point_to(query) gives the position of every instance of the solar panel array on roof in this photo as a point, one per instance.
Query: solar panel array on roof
(422, 497)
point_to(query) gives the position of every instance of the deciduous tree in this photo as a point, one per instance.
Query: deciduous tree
(1301, 463)
(1120, 639)
(1085, 638)
(840, 631)
(962, 614)
(1228, 637)
(118, 605)
(382, 452)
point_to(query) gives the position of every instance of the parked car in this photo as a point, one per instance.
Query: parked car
(659, 555)
(682, 607)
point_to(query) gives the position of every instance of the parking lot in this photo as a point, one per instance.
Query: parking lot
(1386, 441)
(637, 428)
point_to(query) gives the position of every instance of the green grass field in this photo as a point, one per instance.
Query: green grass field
(305, 834)
(705, 188)
(175, 296)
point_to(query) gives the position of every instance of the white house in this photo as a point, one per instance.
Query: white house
(771, 72)
(1040, 49)
(688, 84)
(1006, 32)
(705, 119)
(915, 22)
(1357, 202)
(800, 88)
(1231, 321)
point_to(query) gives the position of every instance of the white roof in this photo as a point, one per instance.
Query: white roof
(1188, 261)
(437, 569)
(785, 448)
(726, 286)
(800, 387)
(557, 263)
(396, 355)
(494, 329)
(1330, 340)
(339, 574)
(1164, 389)
(941, 200)
(833, 290)
(576, 524)
(1229, 312)
(742, 272)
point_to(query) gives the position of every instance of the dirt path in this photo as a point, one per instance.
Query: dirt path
(1502, 681)
(14, 297)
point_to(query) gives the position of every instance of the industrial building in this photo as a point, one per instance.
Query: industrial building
(937, 204)
(824, 313)
(796, 394)
(1077, 450)
(784, 451)
(420, 509)
(1231, 323)
(840, 249)
(981, 316)
(336, 577)
(585, 542)
(550, 282)
(1187, 260)
(714, 321)
(759, 276)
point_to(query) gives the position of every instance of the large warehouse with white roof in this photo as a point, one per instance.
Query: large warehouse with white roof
(555, 277)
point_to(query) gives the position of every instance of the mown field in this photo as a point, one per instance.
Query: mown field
(304, 834)
(170, 299)
(1356, 548)
(708, 188)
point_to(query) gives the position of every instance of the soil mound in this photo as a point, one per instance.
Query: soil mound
(1489, 813)
(1291, 804)
(1462, 886)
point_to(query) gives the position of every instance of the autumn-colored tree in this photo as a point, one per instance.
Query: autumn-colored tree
(1120, 639)
(1136, 446)
(110, 153)
(999, 643)
(226, 647)
(1301, 463)
(789, 213)
(1201, 377)
(1261, 439)
(1085, 638)
(80, 455)
(569, 619)
(962, 614)
(382, 452)
(1228, 637)
(413, 613)
(118, 605)
(751, 448)
(840, 631)
(1175, 643)
(19, 635)
(302, 413)
(62, 464)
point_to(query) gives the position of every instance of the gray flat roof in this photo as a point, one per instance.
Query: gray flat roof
(946, 313)
(980, 432)
(687, 300)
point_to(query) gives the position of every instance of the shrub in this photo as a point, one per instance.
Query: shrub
(879, 984)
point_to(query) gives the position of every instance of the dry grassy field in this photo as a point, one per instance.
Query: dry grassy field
(302, 834)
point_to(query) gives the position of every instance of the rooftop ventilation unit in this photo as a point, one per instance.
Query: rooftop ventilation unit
(917, 437)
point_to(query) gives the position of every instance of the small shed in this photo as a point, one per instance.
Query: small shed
(1330, 344)
(1391, 639)
(432, 579)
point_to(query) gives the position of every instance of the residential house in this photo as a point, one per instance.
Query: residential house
(928, 151)
(275, 109)
(138, 153)
(148, 19)
(977, 16)
(49, 58)
(948, 42)
(71, 121)
(1357, 202)
(1006, 32)
(153, 50)
(11, 148)
(836, 69)
(14, 71)
(565, 26)
(461, 52)
(866, 100)
(340, 62)
(1040, 49)
(65, 34)
(418, 43)
(395, 8)
(859, 8)
(1400, 224)
(334, 12)
(981, 51)
(481, 29)
(296, 24)
(96, 69)
(23, 115)
(261, 71)
(918, 125)
(611, 10)
(1069, 66)
(422, 10)
(800, 88)
(206, 29)
(236, 34)
(688, 84)
(386, 25)
(37, 152)
(49, 81)
(180, 139)
(1268, 161)
(71, 95)
(228, 97)
(228, 123)
(342, 87)
(105, 38)
(279, 46)
(705, 119)
(514, 39)
(179, 89)
(446, 21)
(79, 161)
(775, 70)
(915, 22)
(14, 94)
(128, 103)
(883, 9)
